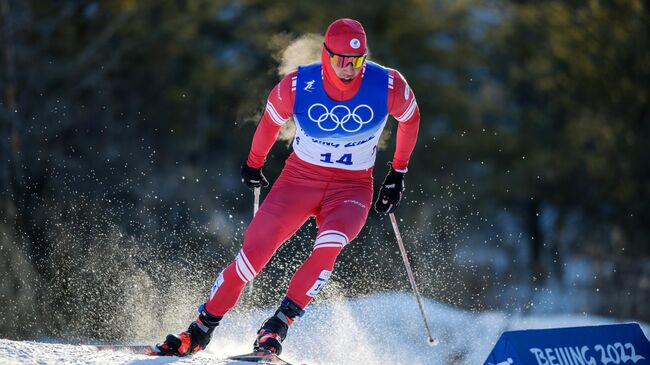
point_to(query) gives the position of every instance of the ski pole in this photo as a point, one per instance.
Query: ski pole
(256, 206)
(256, 200)
(409, 272)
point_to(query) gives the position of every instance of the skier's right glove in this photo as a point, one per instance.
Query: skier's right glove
(390, 192)
(252, 177)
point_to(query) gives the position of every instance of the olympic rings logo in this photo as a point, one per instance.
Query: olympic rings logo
(340, 116)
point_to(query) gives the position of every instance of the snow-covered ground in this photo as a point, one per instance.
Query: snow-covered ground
(379, 329)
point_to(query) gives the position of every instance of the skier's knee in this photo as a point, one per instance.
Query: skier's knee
(331, 239)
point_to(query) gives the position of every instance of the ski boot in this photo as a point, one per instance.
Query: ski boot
(194, 339)
(274, 330)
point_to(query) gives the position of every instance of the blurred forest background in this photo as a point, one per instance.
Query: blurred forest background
(124, 124)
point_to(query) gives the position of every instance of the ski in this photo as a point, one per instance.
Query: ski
(259, 357)
(150, 350)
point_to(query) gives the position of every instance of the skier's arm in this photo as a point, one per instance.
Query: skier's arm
(403, 106)
(279, 108)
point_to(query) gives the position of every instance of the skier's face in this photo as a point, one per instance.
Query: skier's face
(346, 67)
(346, 73)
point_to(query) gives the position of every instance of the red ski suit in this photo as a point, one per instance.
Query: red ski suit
(339, 198)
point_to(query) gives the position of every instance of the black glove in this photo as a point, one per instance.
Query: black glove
(253, 178)
(390, 192)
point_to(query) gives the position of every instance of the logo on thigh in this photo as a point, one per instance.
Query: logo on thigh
(320, 283)
(355, 202)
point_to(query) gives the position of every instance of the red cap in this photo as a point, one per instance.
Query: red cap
(346, 37)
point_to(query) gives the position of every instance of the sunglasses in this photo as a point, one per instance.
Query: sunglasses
(342, 61)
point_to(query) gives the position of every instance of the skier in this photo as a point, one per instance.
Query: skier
(340, 106)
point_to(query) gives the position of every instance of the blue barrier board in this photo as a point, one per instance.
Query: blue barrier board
(617, 344)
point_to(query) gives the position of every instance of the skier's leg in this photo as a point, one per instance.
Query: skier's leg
(262, 238)
(285, 209)
(340, 220)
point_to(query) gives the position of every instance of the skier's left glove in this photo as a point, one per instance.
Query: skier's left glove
(252, 177)
(390, 192)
